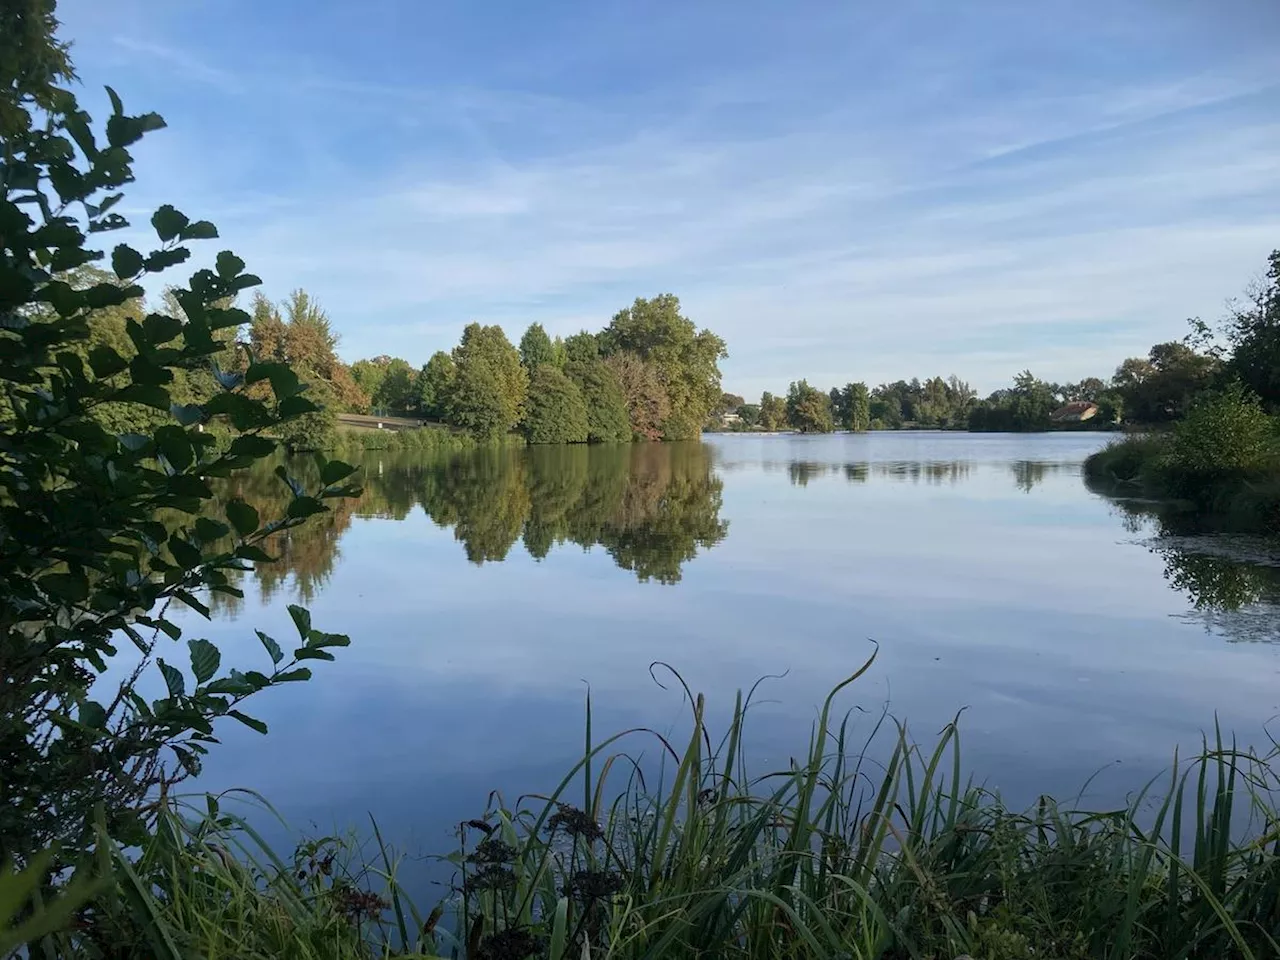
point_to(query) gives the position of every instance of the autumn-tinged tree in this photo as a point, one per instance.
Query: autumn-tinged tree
(646, 399)
(773, 411)
(686, 359)
(298, 332)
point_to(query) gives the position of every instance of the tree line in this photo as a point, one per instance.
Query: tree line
(1156, 389)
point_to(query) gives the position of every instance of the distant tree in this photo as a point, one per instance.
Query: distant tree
(559, 354)
(1161, 388)
(1025, 407)
(368, 375)
(836, 397)
(809, 409)
(773, 412)
(556, 411)
(33, 63)
(1090, 390)
(396, 391)
(1253, 332)
(686, 359)
(434, 384)
(490, 385)
(608, 420)
(750, 414)
(298, 332)
(647, 404)
(856, 407)
(536, 348)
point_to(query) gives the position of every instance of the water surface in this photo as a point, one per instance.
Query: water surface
(486, 594)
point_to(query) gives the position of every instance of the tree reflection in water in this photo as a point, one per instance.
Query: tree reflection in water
(650, 506)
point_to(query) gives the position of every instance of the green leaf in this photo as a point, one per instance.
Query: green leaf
(106, 362)
(205, 659)
(126, 262)
(311, 653)
(256, 554)
(252, 445)
(228, 264)
(160, 260)
(93, 714)
(169, 222)
(302, 507)
(189, 599)
(296, 406)
(335, 471)
(188, 556)
(319, 640)
(250, 722)
(273, 648)
(200, 230)
(72, 587)
(172, 679)
(150, 395)
(299, 673)
(301, 619)
(208, 529)
(242, 516)
(187, 414)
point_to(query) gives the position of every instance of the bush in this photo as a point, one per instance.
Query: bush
(1224, 432)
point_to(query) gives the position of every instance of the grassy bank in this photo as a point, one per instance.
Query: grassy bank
(427, 439)
(835, 856)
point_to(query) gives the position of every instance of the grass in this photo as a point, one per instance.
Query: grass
(651, 848)
(432, 439)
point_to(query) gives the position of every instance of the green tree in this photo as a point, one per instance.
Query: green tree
(856, 407)
(1224, 432)
(750, 414)
(396, 390)
(686, 359)
(490, 385)
(808, 409)
(536, 348)
(434, 385)
(368, 375)
(1253, 331)
(85, 559)
(582, 347)
(34, 64)
(773, 412)
(608, 420)
(1161, 388)
(555, 412)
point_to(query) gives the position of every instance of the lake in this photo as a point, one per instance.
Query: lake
(487, 593)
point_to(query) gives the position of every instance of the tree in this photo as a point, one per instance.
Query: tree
(1025, 407)
(773, 412)
(856, 407)
(368, 375)
(686, 359)
(1161, 388)
(556, 412)
(808, 409)
(434, 384)
(298, 332)
(490, 385)
(33, 64)
(646, 400)
(750, 414)
(607, 418)
(536, 348)
(1253, 331)
(582, 347)
(101, 534)
(396, 390)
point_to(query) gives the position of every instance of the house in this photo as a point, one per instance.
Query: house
(730, 419)
(1077, 411)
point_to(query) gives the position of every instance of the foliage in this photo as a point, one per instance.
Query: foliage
(648, 406)
(536, 348)
(317, 430)
(434, 384)
(298, 332)
(85, 561)
(608, 420)
(750, 414)
(490, 385)
(582, 347)
(808, 409)
(555, 411)
(685, 359)
(1025, 407)
(935, 403)
(851, 407)
(1225, 431)
(389, 382)
(1161, 388)
(33, 64)
(1253, 331)
(773, 411)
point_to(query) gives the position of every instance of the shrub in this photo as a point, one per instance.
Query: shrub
(1224, 432)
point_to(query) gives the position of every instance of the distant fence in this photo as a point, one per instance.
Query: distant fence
(369, 422)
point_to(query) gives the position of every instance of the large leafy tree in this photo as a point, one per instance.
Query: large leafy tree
(1161, 387)
(808, 408)
(647, 404)
(608, 420)
(855, 407)
(555, 411)
(685, 358)
(536, 348)
(297, 331)
(433, 385)
(773, 411)
(1253, 331)
(490, 385)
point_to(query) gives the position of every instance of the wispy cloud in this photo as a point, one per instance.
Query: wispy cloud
(867, 194)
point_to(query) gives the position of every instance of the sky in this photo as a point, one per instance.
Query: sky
(842, 190)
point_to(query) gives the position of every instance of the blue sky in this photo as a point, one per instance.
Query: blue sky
(844, 191)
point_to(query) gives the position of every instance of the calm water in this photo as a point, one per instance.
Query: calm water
(485, 594)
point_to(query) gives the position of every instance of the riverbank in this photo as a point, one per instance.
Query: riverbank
(836, 856)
